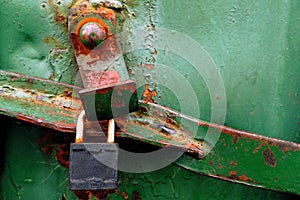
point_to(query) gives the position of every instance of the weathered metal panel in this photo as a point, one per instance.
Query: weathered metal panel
(255, 46)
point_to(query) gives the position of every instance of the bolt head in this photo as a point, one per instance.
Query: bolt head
(92, 34)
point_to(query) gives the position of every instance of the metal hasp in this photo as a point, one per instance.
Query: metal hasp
(108, 91)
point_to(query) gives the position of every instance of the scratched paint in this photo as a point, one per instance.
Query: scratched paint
(241, 39)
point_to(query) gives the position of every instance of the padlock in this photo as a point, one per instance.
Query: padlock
(93, 166)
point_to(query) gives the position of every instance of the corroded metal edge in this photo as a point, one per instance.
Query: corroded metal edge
(39, 101)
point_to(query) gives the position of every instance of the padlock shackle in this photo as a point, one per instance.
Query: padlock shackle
(80, 127)
(111, 131)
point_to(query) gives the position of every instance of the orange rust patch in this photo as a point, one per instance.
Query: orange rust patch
(63, 154)
(244, 178)
(149, 66)
(123, 194)
(149, 94)
(92, 19)
(104, 12)
(60, 18)
(233, 175)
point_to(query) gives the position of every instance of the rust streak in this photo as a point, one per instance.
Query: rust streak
(258, 147)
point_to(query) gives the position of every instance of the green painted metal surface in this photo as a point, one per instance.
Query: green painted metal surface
(255, 46)
(35, 40)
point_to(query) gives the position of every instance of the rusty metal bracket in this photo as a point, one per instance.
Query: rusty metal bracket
(108, 91)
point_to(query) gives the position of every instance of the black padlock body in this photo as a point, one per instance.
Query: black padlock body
(93, 166)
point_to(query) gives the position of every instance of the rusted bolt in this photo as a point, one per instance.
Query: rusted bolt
(91, 34)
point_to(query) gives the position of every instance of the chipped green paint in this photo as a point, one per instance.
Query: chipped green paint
(40, 101)
(255, 46)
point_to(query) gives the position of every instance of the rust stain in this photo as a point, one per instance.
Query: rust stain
(102, 194)
(149, 94)
(235, 139)
(83, 194)
(45, 144)
(60, 18)
(123, 194)
(49, 144)
(233, 175)
(63, 154)
(284, 146)
(136, 195)
(260, 145)
(269, 157)
(244, 178)
(233, 163)
(103, 13)
(149, 66)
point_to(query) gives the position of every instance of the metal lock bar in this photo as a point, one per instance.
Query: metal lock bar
(93, 166)
(108, 92)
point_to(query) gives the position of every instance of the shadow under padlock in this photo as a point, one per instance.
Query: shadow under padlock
(93, 166)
